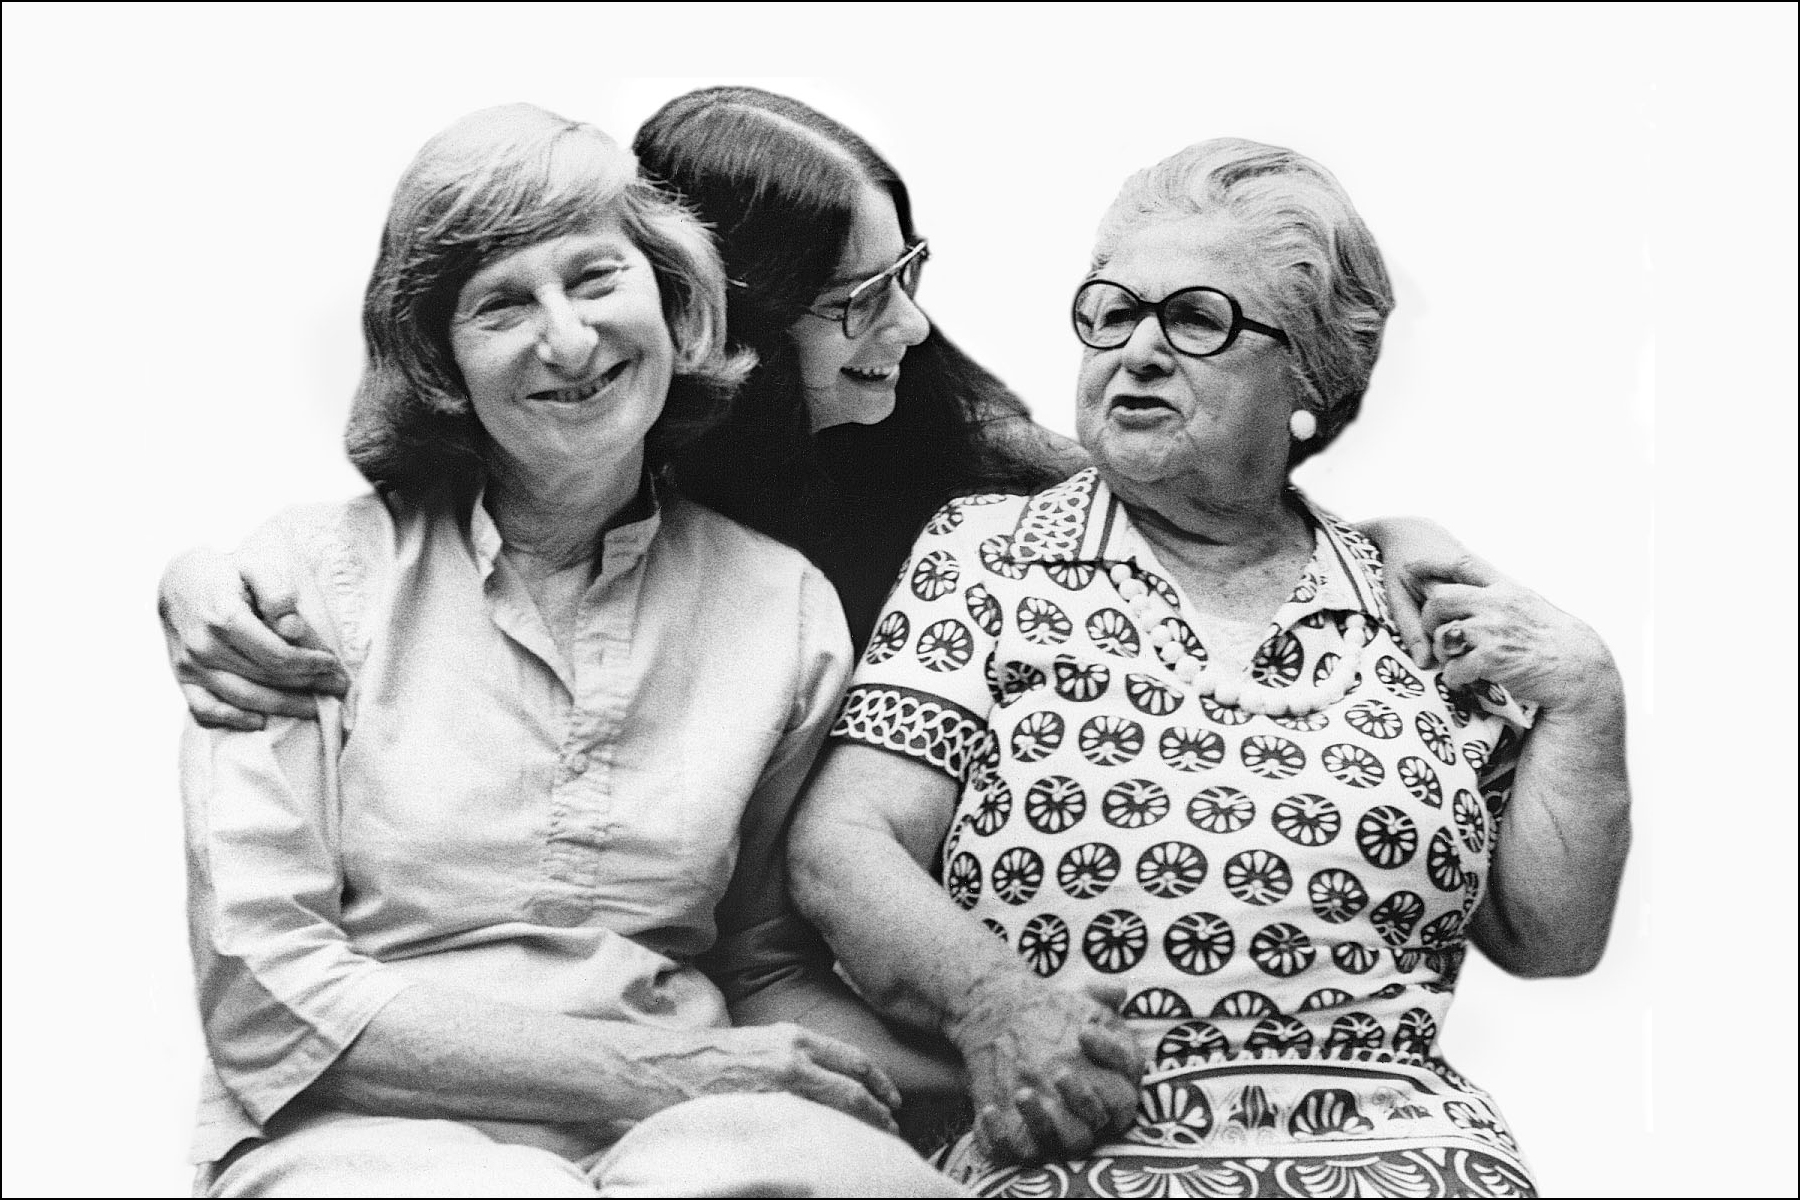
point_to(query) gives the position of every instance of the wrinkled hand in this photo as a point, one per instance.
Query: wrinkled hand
(1050, 1071)
(767, 1058)
(1484, 626)
(233, 665)
(1413, 551)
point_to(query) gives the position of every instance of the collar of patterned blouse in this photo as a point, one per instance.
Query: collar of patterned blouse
(1080, 526)
(1081, 521)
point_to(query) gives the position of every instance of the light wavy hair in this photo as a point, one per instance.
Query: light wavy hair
(497, 181)
(1322, 277)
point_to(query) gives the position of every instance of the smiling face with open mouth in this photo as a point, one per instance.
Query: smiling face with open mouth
(1150, 414)
(564, 351)
(852, 380)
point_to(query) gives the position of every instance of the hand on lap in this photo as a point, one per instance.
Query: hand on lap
(772, 1058)
(1050, 1071)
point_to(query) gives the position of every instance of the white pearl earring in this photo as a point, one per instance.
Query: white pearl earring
(1303, 425)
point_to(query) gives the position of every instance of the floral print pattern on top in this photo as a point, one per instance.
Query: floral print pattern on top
(1291, 888)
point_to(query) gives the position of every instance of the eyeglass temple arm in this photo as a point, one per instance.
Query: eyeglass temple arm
(918, 253)
(1258, 327)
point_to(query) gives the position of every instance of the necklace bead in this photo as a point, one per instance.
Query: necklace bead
(1162, 627)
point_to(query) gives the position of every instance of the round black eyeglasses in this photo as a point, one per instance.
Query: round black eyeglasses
(1198, 321)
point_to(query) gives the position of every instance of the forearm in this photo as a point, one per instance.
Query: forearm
(1017, 436)
(1555, 877)
(919, 1064)
(436, 1053)
(914, 955)
(870, 821)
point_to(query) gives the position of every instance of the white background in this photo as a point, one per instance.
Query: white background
(1589, 215)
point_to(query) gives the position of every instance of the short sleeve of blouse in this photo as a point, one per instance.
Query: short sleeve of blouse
(922, 689)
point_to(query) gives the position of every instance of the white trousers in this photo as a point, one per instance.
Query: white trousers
(737, 1145)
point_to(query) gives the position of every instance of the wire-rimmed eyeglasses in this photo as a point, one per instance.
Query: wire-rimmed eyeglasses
(869, 299)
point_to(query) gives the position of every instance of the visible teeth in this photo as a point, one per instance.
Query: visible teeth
(581, 392)
(872, 376)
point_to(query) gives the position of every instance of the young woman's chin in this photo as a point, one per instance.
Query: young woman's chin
(854, 400)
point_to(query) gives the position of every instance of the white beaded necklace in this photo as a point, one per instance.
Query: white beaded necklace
(1160, 624)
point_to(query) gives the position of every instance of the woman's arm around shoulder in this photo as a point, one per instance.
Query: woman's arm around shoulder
(1566, 828)
(1011, 433)
(239, 647)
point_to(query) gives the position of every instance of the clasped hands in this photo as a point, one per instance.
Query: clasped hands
(1050, 1071)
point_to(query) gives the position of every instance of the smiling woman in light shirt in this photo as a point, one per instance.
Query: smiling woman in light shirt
(1211, 847)
(483, 925)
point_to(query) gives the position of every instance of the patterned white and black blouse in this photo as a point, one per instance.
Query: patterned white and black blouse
(1285, 898)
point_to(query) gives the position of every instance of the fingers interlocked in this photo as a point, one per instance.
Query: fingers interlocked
(1053, 1072)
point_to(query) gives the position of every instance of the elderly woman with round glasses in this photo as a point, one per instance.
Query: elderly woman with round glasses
(481, 927)
(1210, 849)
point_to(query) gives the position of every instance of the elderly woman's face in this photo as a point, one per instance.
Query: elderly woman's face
(563, 347)
(1150, 414)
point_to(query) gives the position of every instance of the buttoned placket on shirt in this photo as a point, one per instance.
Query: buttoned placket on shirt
(596, 692)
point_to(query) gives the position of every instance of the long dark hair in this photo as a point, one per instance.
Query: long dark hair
(778, 183)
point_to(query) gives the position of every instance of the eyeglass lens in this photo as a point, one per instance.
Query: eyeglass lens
(1197, 320)
(871, 300)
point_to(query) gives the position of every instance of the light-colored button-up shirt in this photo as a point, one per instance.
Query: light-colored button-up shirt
(478, 813)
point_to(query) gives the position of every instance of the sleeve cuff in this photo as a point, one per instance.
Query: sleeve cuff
(917, 725)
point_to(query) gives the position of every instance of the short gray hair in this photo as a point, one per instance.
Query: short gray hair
(1325, 283)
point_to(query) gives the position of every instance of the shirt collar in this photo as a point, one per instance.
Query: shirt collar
(1345, 568)
(621, 546)
(1078, 520)
(1081, 521)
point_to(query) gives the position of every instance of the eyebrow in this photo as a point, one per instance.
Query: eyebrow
(608, 247)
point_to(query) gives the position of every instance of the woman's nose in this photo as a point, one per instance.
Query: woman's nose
(903, 322)
(565, 341)
(1147, 349)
